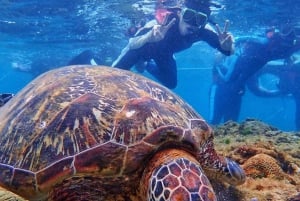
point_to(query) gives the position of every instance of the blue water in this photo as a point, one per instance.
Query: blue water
(46, 34)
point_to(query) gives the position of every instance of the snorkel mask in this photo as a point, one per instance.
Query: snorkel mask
(194, 18)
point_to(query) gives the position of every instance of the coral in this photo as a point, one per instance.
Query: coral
(263, 165)
(270, 157)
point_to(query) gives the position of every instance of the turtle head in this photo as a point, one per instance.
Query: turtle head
(219, 167)
(214, 165)
(225, 170)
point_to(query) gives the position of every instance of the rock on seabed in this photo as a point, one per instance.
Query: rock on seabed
(269, 156)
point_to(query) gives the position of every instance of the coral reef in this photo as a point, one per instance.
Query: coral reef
(269, 157)
(263, 165)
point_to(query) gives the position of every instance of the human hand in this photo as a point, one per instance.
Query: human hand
(159, 31)
(225, 38)
(156, 34)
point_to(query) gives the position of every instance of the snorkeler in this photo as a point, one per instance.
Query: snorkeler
(175, 30)
(231, 74)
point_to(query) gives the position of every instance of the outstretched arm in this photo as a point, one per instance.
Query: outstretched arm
(157, 33)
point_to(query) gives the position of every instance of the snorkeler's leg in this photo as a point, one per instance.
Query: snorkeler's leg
(232, 110)
(85, 57)
(215, 104)
(165, 71)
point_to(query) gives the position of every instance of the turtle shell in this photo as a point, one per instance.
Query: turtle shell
(96, 126)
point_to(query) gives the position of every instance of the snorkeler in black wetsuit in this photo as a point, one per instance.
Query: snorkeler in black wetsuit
(231, 74)
(178, 31)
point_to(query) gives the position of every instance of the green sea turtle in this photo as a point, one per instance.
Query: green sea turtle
(100, 133)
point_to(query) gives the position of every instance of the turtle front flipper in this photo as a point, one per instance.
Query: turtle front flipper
(175, 175)
(9, 196)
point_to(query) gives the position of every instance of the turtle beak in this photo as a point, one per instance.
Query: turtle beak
(236, 173)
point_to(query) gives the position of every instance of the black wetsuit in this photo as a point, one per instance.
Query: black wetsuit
(162, 53)
(252, 55)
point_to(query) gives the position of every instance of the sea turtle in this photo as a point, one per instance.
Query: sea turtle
(101, 133)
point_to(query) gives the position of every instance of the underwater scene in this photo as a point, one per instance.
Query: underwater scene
(40, 35)
(236, 63)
